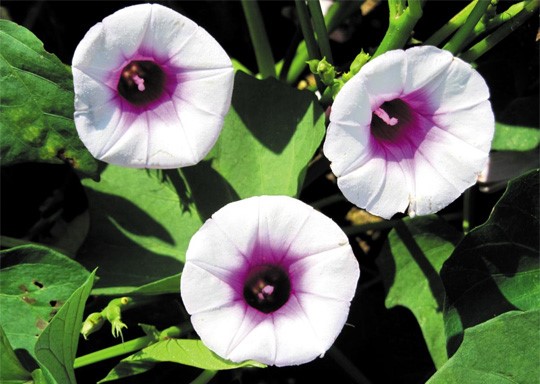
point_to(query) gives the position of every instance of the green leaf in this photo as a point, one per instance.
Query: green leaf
(57, 345)
(269, 136)
(502, 350)
(496, 269)
(515, 138)
(140, 225)
(11, 370)
(35, 282)
(410, 263)
(37, 104)
(182, 351)
(169, 284)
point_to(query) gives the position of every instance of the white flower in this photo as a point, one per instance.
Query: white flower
(269, 279)
(151, 88)
(411, 131)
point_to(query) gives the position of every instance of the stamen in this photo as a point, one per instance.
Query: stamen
(139, 81)
(385, 117)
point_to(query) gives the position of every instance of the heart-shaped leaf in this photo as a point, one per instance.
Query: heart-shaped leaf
(37, 104)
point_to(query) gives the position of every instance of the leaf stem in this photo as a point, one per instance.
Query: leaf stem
(458, 41)
(454, 23)
(204, 377)
(113, 351)
(504, 30)
(320, 29)
(401, 25)
(259, 38)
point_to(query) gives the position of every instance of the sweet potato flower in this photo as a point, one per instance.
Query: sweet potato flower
(269, 279)
(410, 132)
(151, 88)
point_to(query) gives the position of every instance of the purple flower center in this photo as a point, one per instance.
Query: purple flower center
(267, 288)
(141, 82)
(389, 119)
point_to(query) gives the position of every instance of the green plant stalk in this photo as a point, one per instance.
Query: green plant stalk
(355, 374)
(338, 12)
(458, 41)
(389, 224)
(467, 212)
(307, 30)
(259, 38)
(204, 377)
(309, 36)
(503, 31)
(489, 25)
(320, 29)
(114, 351)
(400, 27)
(453, 24)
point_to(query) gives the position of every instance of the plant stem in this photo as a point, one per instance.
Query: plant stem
(388, 224)
(204, 377)
(401, 25)
(356, 375)
(466, 222)
(309, 36)
(320, 29)
(458, 41)
(259, 38)
(114, 351)
(307, 29)
(338, 12)
(454, 23)
(504, 30)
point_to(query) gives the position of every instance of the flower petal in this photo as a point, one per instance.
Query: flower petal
(218, 327)
(425, 65)
(167, 32)
(348, 146)
(384, 77)
(201, 51)
(96, 127)
(255, 339)
(461, 87)
(352, 106)
(211, 236)
(197, 87)
(332, 274)
(379, 186)
(296, 340)
(445, 166)
(318, 234)
(474, 125)
(201, 128)
(203, 290)
(109, 38)
(326, 317)
(281, 218)
(239, 221)
(169, 144)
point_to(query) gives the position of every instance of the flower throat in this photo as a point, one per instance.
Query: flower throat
(141, 82)
(267, 288)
